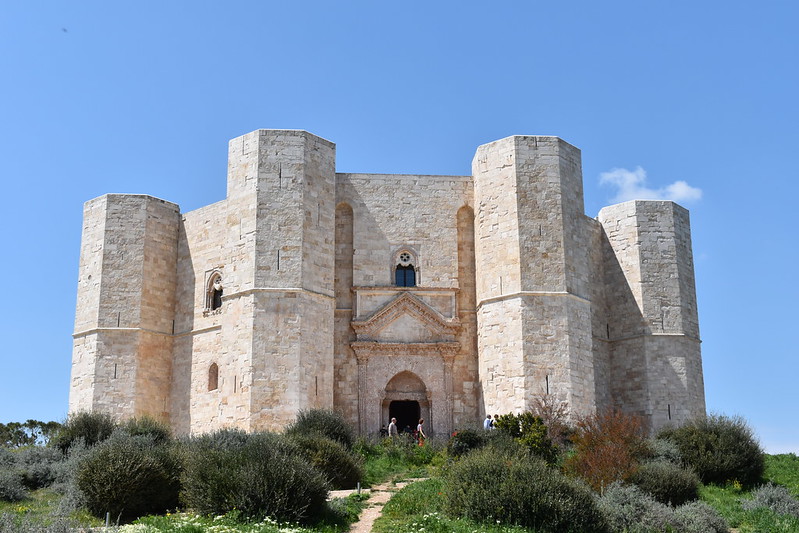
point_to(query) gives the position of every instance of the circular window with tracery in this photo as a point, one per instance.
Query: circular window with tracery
(405, 258)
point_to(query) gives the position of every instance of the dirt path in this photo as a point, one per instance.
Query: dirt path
(378, 496)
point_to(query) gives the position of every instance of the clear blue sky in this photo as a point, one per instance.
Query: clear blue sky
(143, 96)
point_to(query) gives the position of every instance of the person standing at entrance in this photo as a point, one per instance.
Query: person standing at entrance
(420, 436)
(487, 422)
(392, 428)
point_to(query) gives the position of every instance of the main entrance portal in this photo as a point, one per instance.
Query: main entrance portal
(407, 414)
(406, 399)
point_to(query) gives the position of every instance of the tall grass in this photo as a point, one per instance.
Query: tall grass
(419, 507)
(400, 456)
(783, 469)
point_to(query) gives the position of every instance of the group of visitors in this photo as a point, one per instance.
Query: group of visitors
(490, 423)
(392, 431)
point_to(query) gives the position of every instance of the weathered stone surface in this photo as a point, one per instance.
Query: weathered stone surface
(517, 294)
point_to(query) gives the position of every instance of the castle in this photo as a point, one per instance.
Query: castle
(442, 297)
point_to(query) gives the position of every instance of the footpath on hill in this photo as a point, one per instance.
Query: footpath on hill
(378, 496)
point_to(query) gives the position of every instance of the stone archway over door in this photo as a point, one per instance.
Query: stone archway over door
(401, 392)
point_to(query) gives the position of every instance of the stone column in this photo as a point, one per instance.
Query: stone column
(449, 360)
(363, 391)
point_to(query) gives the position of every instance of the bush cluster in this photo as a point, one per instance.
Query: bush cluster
(342, 468)
(463, 441)
(490, 486)
(663, 450)
(774, 497)
(325, 422)
(666, 482)
(158, 430)
(261, 475)
(91, 428)
(11, 487)
(627, 508)
(129, 476)
(719, 449)
(38, 466)
(607, 447)
(28, 468)
(529, 431)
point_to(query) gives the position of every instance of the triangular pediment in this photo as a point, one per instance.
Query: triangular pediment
(406, 318)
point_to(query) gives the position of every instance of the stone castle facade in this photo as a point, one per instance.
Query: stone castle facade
(442, 297)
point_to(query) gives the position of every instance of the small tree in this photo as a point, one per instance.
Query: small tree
(28, 433)
(608, 447)
(553, 413)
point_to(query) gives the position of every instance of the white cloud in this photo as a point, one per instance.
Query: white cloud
(631, 185)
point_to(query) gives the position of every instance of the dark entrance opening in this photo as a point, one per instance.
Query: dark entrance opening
(407, 414)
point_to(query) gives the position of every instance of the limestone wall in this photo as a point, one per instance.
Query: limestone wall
(386, 214)
(600, 323)
(394, 211)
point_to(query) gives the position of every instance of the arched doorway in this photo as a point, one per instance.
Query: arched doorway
(406, 399)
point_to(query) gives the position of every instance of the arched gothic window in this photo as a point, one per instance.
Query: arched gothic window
(404, 272)
(213, 377)
(213, 298)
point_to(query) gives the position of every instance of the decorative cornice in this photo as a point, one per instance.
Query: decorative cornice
(365, 349)
(394, 288)
(406, 303)
(517, 294)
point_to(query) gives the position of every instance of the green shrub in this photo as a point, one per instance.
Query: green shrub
(11, 487)
(773, 497)
(7, 457)
(65, 473)
(146, 425)
(329, 423)
(529, 431)
(664, 451)
(38, 466)
(503, 443)
(719, 449)
(699, 517)
(487, 486)
(667, 482)
(92, 428)
(629, 509)
(341, 468)
(261, 475)
(464, 441)
(129, 477)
